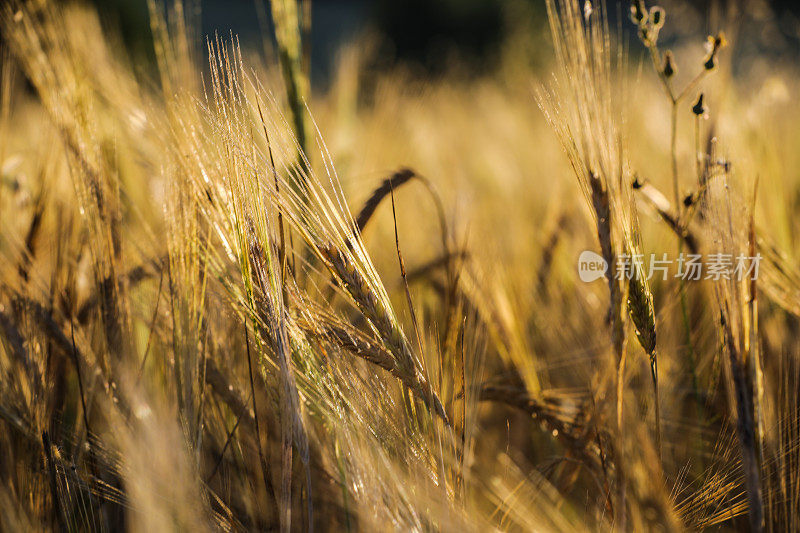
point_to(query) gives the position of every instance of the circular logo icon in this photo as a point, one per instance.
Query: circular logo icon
(591, 266)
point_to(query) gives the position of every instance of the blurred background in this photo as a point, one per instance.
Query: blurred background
(431, 36)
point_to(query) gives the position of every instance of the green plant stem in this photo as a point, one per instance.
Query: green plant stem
(673, 143)
(675, 101)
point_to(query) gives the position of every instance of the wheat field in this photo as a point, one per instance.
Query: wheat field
(230, 301)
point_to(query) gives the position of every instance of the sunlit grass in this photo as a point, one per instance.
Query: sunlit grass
(227, 303)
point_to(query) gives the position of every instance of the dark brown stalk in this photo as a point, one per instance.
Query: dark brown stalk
(462, 430)
(402, 176)
(548, 253)
(754, 357)
(602, 210)
(601, 204)
(397, 179)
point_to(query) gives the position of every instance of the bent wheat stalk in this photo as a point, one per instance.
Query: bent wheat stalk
(390, 334)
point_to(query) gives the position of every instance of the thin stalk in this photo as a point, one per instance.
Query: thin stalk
(305, 38)
(691, 85)
(81, 391)
(261, 459)
(675, 101)
(654, 375)
(429, 389)
(152, 328)
(90, 448)
(282, 249)
(682, 289)
(754, 355)
(228, 440)
(620, 386)
(656, 58)
(673, 147)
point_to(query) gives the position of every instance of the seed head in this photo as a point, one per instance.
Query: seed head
(657, 17)
(669, 67)
(715, 44)
(699, 107)
(587, 9)
(638, 12)
(640, 307)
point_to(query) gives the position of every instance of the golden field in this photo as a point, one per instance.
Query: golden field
(229, 302)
